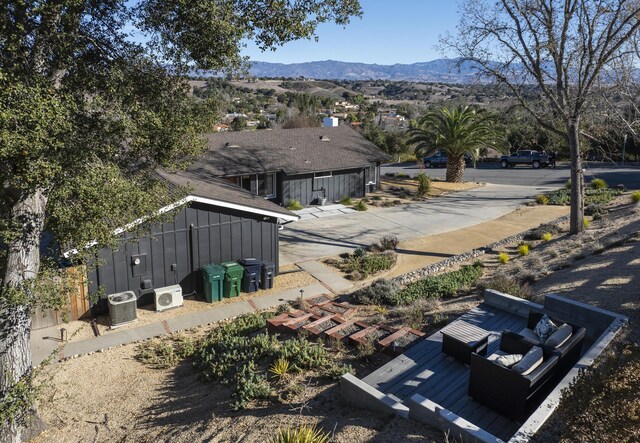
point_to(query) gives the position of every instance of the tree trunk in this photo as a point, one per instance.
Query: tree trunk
(23, 263)
(576, 223)
(455, 169)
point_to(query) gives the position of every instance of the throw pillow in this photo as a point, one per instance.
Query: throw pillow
(545, 328)
(508, 360)
(529, 362)
(559, 337)
(530, 335)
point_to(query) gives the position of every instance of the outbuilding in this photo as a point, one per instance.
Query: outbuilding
(303, 164)
(218, 222)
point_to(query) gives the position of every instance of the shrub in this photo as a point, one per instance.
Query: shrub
(424, 184)
(376, 198)
(611, 391)
(598, 183)
(586, 222)
(250, 385)
(389, 242)
(345, 200)
(542, 200)
(635, 197)
(338, 370)
(378, 293)
(438, 286)
(539, 232)
(361, 206)
(503, 257)
(294, 205)
(508, 285)
(594, 209)
(547, 236)
(559, 198)
(523, 249)
(567, 185)
(362, 265)
(158, 354)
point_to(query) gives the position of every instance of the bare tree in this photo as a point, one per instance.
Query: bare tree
(564, 47)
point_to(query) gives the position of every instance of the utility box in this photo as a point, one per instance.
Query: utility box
(267, 274)
(213, 277)
(251, 274)
(232, 278)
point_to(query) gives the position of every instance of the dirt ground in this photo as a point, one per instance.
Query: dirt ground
(111, 397)
(291, 276)
(421, 252)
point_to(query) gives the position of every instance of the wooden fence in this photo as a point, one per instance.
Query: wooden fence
(77, 305)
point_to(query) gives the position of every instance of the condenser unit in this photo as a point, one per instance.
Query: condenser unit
(122, 308)
(168, 297)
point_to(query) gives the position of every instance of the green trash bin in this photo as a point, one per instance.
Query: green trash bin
(232, 278)
(213, 276)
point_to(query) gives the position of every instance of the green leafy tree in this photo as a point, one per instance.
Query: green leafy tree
(455, 132)
(86, 117)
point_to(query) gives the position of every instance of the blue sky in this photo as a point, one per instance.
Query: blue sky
(390, 31)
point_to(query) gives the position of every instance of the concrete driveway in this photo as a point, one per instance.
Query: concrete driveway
(312, 239)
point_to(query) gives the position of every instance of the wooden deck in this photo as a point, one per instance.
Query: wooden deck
(425, 370)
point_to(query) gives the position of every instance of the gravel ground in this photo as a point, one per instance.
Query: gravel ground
(80, 329)
(110, 397)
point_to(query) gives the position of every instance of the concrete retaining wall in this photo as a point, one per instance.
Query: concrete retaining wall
(356, 392)
(596, 320)
(457, 428)
(509, 303)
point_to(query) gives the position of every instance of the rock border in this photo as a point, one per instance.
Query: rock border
(443, 265)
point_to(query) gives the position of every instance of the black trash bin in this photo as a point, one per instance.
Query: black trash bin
(267, 274)
(251, 274)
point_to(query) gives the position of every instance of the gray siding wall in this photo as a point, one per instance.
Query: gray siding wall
(199, 235)
(306, 189)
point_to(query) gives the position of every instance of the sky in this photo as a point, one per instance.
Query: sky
(389, 32)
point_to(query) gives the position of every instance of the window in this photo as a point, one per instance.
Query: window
(263, 185)
(266, 185)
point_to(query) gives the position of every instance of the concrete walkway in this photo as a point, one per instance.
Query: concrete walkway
(313, 212)
(44, 342)
(312, 239)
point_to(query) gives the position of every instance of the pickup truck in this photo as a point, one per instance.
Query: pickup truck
(533, 158)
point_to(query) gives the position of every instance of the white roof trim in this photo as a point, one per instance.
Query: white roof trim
(194, 198)
(224, 204)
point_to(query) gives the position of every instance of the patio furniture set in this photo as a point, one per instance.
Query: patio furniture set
(511, 379)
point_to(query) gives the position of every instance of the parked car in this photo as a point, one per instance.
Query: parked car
(440, 159)
(535, 159)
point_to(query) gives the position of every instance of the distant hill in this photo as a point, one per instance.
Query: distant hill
(440, 70)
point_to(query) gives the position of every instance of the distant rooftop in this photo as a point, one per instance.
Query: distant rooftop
(292, 151)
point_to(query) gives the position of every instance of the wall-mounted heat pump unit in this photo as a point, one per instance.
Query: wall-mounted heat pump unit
(122, 308)
(168, 297)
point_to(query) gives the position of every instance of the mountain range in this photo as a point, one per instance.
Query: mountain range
(440, 70)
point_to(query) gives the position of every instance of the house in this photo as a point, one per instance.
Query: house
(217, 222)
(302, 164)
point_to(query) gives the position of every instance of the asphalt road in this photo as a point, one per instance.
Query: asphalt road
(527, 176)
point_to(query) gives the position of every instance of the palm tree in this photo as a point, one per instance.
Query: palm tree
(455, 132)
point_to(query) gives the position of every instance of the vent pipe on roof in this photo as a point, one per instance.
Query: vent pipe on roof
(231, 145)
(324, 138)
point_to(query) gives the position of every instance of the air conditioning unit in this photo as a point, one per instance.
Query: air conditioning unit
(168, 297)
(122, 308)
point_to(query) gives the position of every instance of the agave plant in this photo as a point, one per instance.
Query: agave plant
(301, 434)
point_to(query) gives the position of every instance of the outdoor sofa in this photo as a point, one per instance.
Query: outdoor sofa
(511, 393)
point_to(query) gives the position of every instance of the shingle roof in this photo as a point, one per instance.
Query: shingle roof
(219, 189)
(293, 151)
